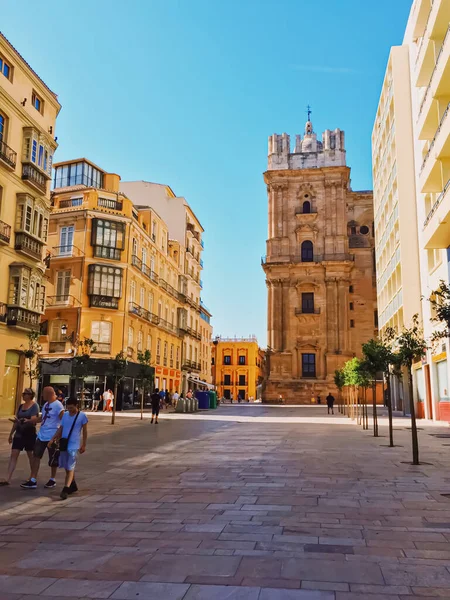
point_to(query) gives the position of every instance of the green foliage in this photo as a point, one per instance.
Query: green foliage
(411, 344)
(440, 302)
(339, 379)
(118, 367)
(146, 370)
(377, 356)
(351, 372)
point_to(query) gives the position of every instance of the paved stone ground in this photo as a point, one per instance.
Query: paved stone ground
(246, 503)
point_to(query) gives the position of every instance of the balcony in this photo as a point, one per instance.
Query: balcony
(34, 178)
(22, 318)
(70, 203)
(62, 301)
(3, 309)
(99, 301)
(193, 303)
(190, 250)
(110, 203)
(169, 289)
(195, 334)
(109, 252)
(307, 311)
(137, 262)
(135, 309)
(5, 232)
(190, 364)
(28, 245)
(297, 258)
(437, 224)
(169, 327)
(440, 140)
(7, 156)
(439, 84)
(69, 251)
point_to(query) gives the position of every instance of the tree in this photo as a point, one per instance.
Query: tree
(375, 356)
(440, 303)
(339, 381)
(117, 370)
(411, 348)
(363, 382)
(82, 364)
(351, 379)
(32, 370)
(145, 374)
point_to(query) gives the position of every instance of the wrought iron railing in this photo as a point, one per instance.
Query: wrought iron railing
(22, 317)
(69, 250)
(33, 176)
(437, 203)
(5, 232)
(8, 155)
(28, 245)
(110, 203)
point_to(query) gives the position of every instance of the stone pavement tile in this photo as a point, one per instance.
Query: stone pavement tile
(255, 508)
(286, 500)
(182, 566)
(233, 544)
(379, 589)
(246, 537)
(104, 526)
(421, 576)
(278, 594)
(351, 596)
(219, 592)
(81, 588)
(328, 548)
(326, 570)
(150, 591)
(67, 559)
(295, 539)
(391, 544)
(205, 527)
(253, 529)
(379, 551)
(325, 586)
(432, 546)
(24, 585)
(438, 554)
(292, 584)
(210, 580)
(342, 541)
(157, 527)
(430, 591)
(90, 575)
(259, 567)
(63, 525)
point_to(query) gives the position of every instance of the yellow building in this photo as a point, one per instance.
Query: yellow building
(205, 347)
(238, 368)
(28, 111)
(114, 277)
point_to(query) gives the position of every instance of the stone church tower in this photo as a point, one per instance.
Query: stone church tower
(319, 266)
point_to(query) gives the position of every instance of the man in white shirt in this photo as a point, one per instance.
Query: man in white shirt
(50, 419)
(175, 399)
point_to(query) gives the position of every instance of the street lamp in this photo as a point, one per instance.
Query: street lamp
(64, 330)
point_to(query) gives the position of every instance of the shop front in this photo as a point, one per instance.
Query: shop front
(167, 379)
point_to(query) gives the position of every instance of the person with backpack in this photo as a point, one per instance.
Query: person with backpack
(68, 437)
(330, 403)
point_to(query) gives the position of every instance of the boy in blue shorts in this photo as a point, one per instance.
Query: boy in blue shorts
(73, 426)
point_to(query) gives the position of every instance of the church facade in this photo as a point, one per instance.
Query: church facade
(319, 266)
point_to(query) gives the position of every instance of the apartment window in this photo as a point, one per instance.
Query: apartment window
(375, 318)
(242, 360)
(171, 355)
(150, 302)
(241, 379)
(165, 354)
(31, 217)
(227, 380)
(178, 358)
(352, 323)
(227, 359)
(142, 297)
(144, 256)
(108, 238)
(149, 342)
(307, 251)
(105, 281)
(80, 173)
(350, 289)
(154, 231)
(306, 207)
(5, 68)
(308, 365)
(140, 341)
(101, 334)
(63, 285)
(135, 247)
(132, 291)
(26, 289)
(66, 240)
(308, 302)
(130, 337)
(2, 127)
(212, 361)
(352, 306)
(37, 102)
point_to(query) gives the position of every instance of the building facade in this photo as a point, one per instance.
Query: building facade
(394, 193)
(185, 227)
(319, 266)
(427, 37)
(113, 277)
(238, 368)
(28, 111)
(205, 348)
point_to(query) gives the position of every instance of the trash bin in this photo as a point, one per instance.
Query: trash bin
(212, 399)
(203, 400)
(195, 403)
(180, 406)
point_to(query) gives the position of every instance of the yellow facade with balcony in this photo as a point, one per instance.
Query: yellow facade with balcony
(28, 111)
(238, 368)
(114, 277)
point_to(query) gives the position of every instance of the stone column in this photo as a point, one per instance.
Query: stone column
(333, 213)
(269, 313)
(277, 308)
(343, 322)
(332, 339)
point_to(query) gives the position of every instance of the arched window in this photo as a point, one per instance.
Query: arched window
(307, 251)
(306, 207)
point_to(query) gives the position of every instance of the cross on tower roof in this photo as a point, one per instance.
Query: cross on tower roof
(309, 111)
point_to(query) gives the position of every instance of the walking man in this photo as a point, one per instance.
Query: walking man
(50, 420)
(319, 399)
(96, 400)
(155, 406)
(330, 403)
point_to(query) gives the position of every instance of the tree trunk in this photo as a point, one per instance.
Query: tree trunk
(389, 403)
(415, 440)
(142, 403)
(113, 416)
(374, 403)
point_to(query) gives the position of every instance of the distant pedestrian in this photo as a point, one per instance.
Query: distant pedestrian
(156, 399)
(280, 399)
(239, 399)
(23, 432)
(319, 399)
(231, 398)
(68, 436)
(313, 399)
(96, 400)
(330, 403)
(168, 398)
(175, 398)
(107, 400)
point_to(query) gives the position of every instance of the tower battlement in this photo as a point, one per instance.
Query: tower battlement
(309, 152)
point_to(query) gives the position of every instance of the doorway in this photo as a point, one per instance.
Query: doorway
(429, 398)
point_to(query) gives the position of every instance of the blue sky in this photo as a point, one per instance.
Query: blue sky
(186, 92)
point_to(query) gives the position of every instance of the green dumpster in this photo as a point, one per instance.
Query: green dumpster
(212, 399)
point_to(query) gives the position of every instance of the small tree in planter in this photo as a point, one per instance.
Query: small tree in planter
(339, 382)
(411, 348)
(117, 370)
(145, 374)
(82, 365)
(350, 371)
(363, 382)
(32, 369)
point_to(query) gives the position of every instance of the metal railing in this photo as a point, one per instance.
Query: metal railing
(298, 258)
(170, 289)
(68, 250)
(441, 122)
(424, 36)
(110, 203)
(33, 176)
(28, 245)
(62, 300)
(142, 312)
(422, 104)
(137, 262)
(70, 203)
(5, 232)
(7, 155)
(437, 203)
(190, 364)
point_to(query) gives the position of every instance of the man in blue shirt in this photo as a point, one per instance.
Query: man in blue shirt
(50, 419)
(73, 424)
